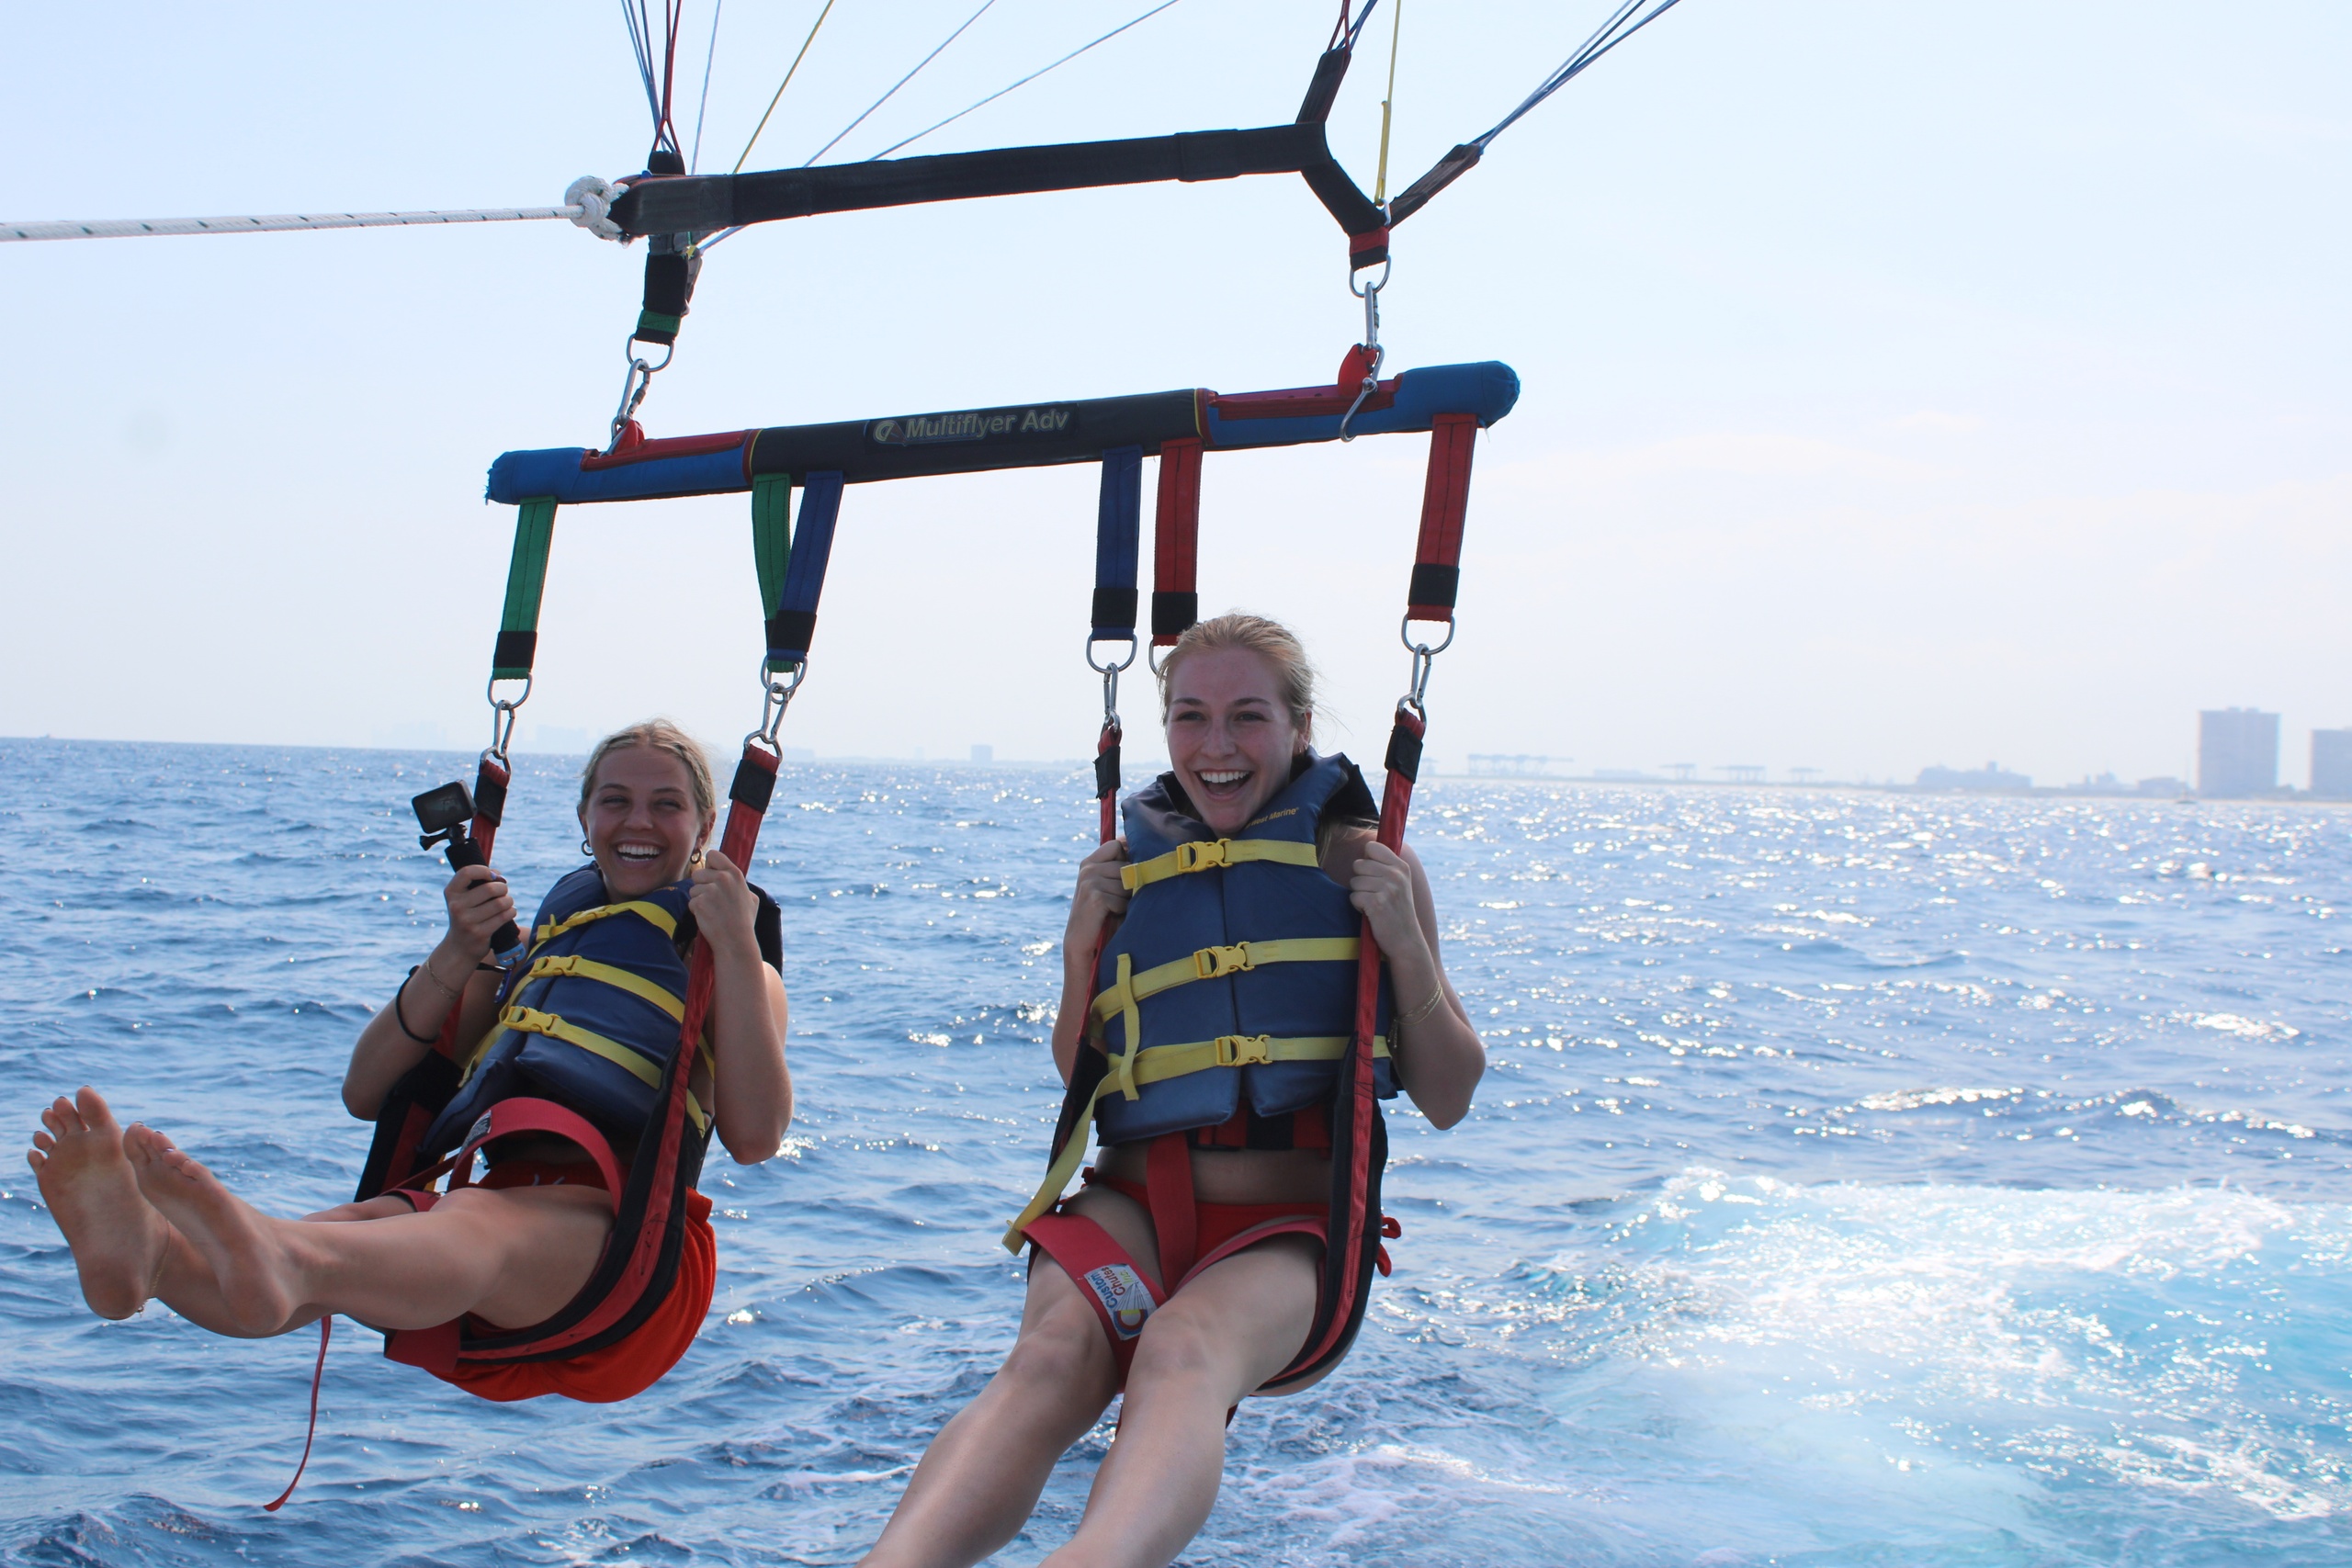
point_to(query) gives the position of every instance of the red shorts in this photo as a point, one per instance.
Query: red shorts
(629, 1366)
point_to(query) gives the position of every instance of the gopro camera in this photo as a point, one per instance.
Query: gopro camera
(446, 816)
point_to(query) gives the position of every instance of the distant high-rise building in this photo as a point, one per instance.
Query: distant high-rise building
(2332, 764)
(2237, 752)
(984, 753)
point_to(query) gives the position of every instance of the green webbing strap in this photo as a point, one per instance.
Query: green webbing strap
(526, 579)
(772, 538)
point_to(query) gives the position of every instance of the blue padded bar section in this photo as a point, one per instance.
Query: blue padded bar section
(1118, 528)
(1487, 389)
(556, 471)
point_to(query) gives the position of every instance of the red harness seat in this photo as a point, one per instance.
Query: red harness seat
(629, 1366)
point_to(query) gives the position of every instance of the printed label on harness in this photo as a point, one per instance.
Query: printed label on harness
(1123, 1295)
(981, 424)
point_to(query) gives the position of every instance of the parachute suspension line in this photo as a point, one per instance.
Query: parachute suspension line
(901, 81)
(780, 86)
(1344, 33)
(1612, 32)
(1000, 92)
(702, 106)
(657, 83)
(1395, 31)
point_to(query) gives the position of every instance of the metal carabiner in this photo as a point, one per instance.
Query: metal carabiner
(501, 717)
(1110, 674)
(775, 695)
(1370, 295)
(1424, 661)
(636, 381)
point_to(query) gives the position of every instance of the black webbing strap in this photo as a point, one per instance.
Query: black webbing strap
(671, 268)
(668, 286)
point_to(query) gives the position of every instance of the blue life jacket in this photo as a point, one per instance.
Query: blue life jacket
(1235, 968)
(590, 1014)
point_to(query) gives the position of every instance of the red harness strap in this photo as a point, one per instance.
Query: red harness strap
(1352, 1247)
(1176, 542)
(1445, 501)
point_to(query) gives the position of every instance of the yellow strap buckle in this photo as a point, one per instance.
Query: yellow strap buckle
(559, 964)
(1198, 856)
(1216, 962)
(1244, 1050)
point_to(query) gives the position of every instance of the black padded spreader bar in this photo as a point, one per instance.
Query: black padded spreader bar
(1022, 436)
(705, 203)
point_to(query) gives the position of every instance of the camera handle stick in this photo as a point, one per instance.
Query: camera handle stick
(507, 942)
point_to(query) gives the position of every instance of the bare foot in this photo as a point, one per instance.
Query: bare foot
(117, 1240)
(259, 1284)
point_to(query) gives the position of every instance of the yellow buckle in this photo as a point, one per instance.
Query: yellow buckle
(1216, 962)
(1197, 855)
(1244, 1050)
(560, 963)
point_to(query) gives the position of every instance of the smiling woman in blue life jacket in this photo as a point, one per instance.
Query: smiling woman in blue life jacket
(1249, 1032)
(146, 1221)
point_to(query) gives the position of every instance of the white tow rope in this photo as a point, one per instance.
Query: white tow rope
(588, 203)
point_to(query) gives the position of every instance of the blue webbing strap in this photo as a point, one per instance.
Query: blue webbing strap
(794, 625)
(1118, 528)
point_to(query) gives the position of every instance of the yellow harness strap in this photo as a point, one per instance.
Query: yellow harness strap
(1210, 963)
(1155, 1064)
(655, 913)
(530, 1020)
(571, 964)
(1209, 855)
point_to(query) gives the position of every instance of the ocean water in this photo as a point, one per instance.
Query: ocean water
(1861, 1180)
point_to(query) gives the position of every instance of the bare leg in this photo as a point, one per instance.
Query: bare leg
(1195, 1361)
(514, 1257)
(981, 1476)
(119, 1240)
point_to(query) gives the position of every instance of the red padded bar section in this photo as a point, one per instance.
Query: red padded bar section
(641, 451)
(1303, 402)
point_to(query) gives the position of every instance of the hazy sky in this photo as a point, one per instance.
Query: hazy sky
(1904, 384)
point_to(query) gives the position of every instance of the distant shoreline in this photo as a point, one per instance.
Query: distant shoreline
(1144, 767)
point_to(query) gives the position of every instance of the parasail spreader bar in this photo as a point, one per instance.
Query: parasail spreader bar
(1018, 436)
